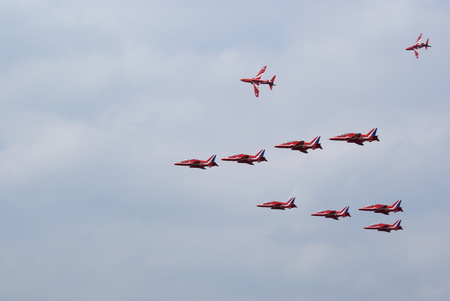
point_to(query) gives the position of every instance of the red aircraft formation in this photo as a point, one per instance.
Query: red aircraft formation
(303, 146)
(419, 45)
(333, 214)
(256, 81)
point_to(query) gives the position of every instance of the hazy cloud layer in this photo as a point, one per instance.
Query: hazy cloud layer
(100, 98)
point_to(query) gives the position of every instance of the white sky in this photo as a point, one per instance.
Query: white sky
(100, 98)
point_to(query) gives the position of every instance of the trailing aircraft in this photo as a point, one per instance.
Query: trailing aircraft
(333, 213)
(256, 81)
(279, 205)
(301, 145)
(248, 159)
(386, 227)
(419, 45)
(196, 163)
(357, 138)
(384, 209)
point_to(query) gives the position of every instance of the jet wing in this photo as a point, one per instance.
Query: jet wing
(300, 144)
(256, 88)
(418, 39)
(243, 158)
(356, 139)
(382, 208)
(416, 53)
(196, 163)
(260, 73)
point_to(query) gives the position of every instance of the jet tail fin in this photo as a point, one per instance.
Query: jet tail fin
(426, 44)
(212, 161)
(344, 212)
(373, 135)
(316, 142)
(271, 82)
(260, 153)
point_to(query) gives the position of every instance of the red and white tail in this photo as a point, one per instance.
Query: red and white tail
(316, 142)
(372, 135)
(212, 161)
(397, 204)
(271, 84)
(290, 202)
(372, 132)
(426, 44)
(260, 153)
(397, 224)
(344, 212)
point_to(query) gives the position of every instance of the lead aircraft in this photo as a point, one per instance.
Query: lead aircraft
(384, 209)
(248, 159)
(419, 45)
(256, 81)
(196, 163)
(333, 213)
(279, 205)
(357, 138)
(301, 145)
(386, 227)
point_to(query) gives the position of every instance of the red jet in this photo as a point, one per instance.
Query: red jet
(385, 209)
(333, 213)
(279, 205)
(256, 81)
(386, 227)
(358, 138)
(196, 163)
(418, 45)
(301, 145)
(244, 158)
